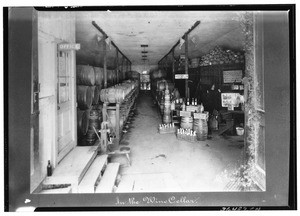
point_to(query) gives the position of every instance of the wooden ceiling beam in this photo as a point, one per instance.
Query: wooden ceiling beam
(106, 36)
(186, 33)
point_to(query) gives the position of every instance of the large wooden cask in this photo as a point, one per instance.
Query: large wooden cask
(85, 96)
(85, 75)
(112, 95)
(82, 122)
(96, 98)
(99, 76)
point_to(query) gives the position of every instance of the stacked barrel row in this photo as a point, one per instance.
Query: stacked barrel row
(163, 92)
(124, 94)
(90, 81)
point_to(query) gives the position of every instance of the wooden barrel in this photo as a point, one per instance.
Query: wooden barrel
(82, 122)
(186, 122)
(99, 73)
(91, 136)
(200, 126)
(85, 75)
(85, 96)
(167, 118)
(96, 98)
(112, 95)
(99, 107)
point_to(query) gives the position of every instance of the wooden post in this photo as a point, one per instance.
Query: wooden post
(122, 68)
(104, 112)
(173, 66)
(104, 63)
(118, 123)
(186, 66)
(117, 64)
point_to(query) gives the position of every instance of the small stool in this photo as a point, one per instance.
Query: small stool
(122, 151)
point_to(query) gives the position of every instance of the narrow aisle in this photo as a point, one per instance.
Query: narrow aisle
(193, 166)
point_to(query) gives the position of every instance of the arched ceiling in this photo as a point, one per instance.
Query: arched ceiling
(160, 30)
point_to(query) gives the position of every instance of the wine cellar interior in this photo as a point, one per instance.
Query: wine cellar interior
(147, 101)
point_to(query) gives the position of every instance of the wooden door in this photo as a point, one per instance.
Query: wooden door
(66, 118)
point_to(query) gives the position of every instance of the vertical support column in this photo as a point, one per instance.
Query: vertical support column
(123, 73)
(117, 123)
(187, 95)
(104, 63)
(173, 66)
(104, 112)
(117, 65)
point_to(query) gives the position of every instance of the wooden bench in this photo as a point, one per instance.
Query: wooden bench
(108, 180)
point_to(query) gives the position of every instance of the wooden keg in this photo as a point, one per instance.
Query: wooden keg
(167, 118)
(99, 73)
(85, 96)
(201, 128)
(96, 98)
(186, 122)
(91, 136)
(99, 107)
(82, 122)
(85, 75)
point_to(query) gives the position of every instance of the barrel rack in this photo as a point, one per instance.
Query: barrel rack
(122, 109)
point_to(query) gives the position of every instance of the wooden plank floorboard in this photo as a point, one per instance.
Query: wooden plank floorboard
(87, 185)
(73, 167)
(107, 182)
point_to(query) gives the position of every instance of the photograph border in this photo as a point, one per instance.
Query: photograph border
(17, 97)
